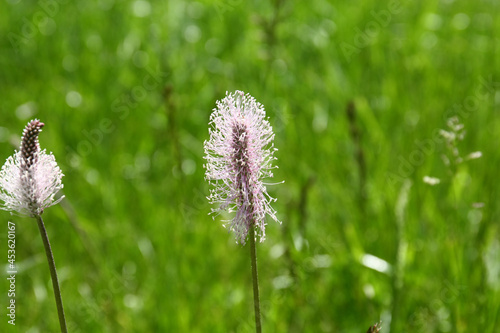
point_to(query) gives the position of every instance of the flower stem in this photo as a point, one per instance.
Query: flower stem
(53, 273)
(256, 299)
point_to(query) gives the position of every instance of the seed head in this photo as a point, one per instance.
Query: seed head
(30, 179)
(239, 156)
(29, 143)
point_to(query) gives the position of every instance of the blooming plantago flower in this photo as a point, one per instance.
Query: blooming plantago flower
(30, 179)
(239, 156)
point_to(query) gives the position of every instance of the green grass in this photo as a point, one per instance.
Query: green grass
(135, 248)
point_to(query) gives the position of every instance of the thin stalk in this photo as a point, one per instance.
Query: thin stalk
(53, 273)
(256, 298)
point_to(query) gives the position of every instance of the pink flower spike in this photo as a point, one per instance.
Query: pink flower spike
(239, 156)
(30, 179)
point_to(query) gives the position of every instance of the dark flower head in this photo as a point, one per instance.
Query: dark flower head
(29, 143)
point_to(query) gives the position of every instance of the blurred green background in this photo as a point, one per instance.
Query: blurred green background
(126, 88)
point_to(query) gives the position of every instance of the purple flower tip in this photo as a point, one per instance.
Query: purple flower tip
(239, 156)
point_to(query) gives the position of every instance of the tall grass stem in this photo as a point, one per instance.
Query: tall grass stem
(53, 274)
(256, 298)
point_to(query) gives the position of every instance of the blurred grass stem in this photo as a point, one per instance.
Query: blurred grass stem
(355, 134)
(53, 273)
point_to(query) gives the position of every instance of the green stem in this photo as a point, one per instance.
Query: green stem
(53, 273)
(256, 299)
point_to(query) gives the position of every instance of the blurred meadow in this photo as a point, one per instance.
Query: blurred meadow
(356, 92)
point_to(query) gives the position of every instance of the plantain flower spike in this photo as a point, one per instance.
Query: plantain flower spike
(239, 156)
(31, 178)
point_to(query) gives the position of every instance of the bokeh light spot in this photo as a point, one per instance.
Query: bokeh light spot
(460, 21)
(141, 8)
(73, 99)
(192, 34)
(26, 110)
